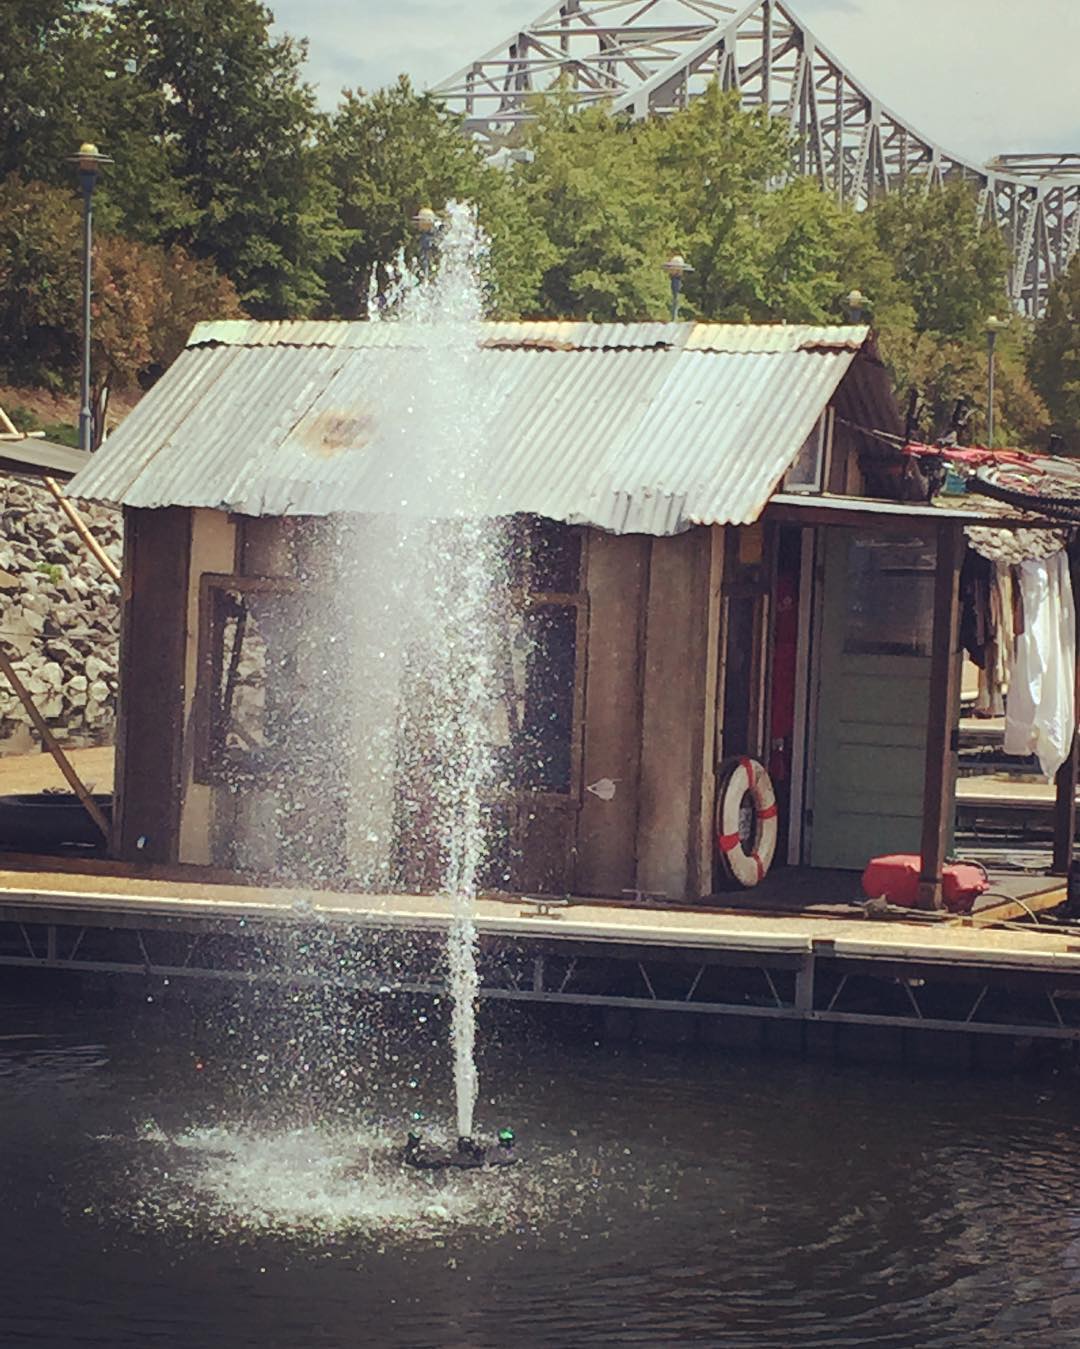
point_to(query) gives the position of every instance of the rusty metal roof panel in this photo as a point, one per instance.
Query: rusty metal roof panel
(775, 337)
(542, 334)
(634, 439)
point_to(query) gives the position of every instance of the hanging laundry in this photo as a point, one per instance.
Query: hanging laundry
(1000, 649)
(1040, 713)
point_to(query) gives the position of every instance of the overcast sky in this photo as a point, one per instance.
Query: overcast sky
(977, 76)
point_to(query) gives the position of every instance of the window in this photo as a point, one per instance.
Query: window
(807, 473)
(249, 679)
(890, 597)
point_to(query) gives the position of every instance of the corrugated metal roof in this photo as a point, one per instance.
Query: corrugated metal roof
(541, 334)
(626, 435)
(41, 458)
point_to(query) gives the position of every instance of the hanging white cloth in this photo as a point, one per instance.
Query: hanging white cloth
(1040, 715)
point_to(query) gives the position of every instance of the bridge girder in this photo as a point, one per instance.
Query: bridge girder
(651, 57)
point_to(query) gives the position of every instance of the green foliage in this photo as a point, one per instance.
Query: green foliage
(43, 43)
(953, 270)
(241, 127)
(389, 154)
(1055, 357)
(146, 298)
(587, 182)
(39, 281)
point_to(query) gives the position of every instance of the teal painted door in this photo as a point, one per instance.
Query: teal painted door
(872, 696)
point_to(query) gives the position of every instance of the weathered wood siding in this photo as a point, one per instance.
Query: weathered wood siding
(680, 670)
(617, 584)
(213, 549)
(153, 665)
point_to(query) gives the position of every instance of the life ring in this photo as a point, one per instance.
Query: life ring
(745, 821)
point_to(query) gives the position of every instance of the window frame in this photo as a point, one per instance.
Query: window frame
(208, 767)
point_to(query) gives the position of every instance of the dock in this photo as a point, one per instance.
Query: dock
(978, 976)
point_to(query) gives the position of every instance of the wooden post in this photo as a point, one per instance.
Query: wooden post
(80, 527)
(52, 745)
(1068, 776)
(938, 795)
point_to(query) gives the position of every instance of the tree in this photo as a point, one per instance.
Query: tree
(1055, 356)
(146, 298)
(953, 269)
(39, 281)
(585, 180)
(389, 154)
(240, 126)
(42, 44)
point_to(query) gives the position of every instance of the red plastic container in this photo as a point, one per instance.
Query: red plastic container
(896, 879)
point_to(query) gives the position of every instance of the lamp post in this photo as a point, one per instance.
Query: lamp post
(676, 268)
(425, 221)
(994, 325)
(856, 303)
(89, 163)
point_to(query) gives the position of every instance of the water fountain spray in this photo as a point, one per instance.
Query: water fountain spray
(451, 559)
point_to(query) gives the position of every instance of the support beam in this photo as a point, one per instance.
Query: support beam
(938, 794)
(1068, 777)
(80, 527)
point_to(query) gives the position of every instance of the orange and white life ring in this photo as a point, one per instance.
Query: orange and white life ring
(745, 821)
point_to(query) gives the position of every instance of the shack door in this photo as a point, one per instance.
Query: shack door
(869, 735)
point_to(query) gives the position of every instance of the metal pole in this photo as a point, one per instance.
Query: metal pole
(991, 343)
(85, 416)
(676, 289)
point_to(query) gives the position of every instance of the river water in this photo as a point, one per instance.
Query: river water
(196, 1175)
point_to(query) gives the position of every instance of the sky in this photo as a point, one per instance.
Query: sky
(979, 77)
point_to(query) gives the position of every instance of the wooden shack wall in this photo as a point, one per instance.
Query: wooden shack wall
(650, 715)
(153, 684)
(213, 549)
(651, 690)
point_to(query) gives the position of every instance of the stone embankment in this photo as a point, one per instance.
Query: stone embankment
(59, 618)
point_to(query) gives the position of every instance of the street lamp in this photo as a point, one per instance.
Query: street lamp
(676, 268)
(994, 325)
(856, 303)
(425, 221)
(89, 163)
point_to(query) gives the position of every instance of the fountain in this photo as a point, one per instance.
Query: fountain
(429, 673)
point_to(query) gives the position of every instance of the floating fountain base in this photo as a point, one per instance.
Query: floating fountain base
(469, 1155)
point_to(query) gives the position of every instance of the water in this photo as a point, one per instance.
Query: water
(665, 1198)
(432, 696)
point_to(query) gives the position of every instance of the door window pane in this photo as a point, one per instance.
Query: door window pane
(890, 597)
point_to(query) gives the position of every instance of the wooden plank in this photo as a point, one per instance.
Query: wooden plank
(82, 529)
(150, 715)
(938, 792)
(707, 759)
(213, 548)
(617, 580)
(676, 760)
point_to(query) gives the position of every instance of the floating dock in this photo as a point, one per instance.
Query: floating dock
(979, 977)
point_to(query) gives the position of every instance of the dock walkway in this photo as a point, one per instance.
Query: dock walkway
(924, 973)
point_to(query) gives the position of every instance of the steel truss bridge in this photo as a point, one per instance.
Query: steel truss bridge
(644, 57)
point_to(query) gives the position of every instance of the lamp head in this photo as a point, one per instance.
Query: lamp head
(89, 161)
(677, 267)
(425, 220)
(994, 325)
(856, 301)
